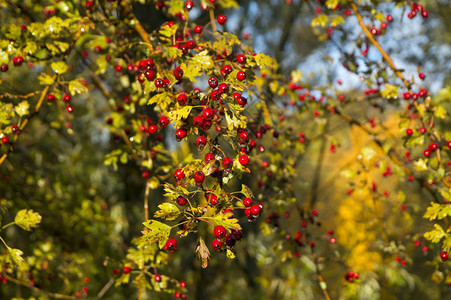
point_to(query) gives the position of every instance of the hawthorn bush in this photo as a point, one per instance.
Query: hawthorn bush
(148, 150)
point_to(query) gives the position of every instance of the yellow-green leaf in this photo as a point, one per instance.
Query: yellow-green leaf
(45, 79)
(167, 211)
(390, 91)
(157, 232)
(27, 219)
(76, 86)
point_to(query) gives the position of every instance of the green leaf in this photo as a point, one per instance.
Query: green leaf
(76, 86)
(440, 112)
(319, 21)
(30, 48)
(167, 211)
(22, 108)
(162, 100)
(27, 219)
(246, 191)
(157, 232)
(432, 211)
(179, 114)
(227, 221)
(15, 257)
(59, 67)
(336, 20)
(190, 71)
(228, 4)
(45, 79)
(390, 91)
(436, 234)
(331, 4)
(203, 60)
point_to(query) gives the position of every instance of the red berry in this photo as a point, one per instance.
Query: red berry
(241, 59)
(89, 5)
(171, 245)
(5, 140)
(18, 61)
(213, 199)
(223, 88)
(179, 174)
(422, 130)
(244, 160)
(189, 5)
(157, 277)
(409, 131)
(433, 147)
(422, 76)
(241, 76)
(4, 67)
(50, 98)
(152, 129)
(209, 156)
(216, 245)
(126, 270)
(247, 202)
(163, 121)
(69, 108)
(15, 129)
(221, 19)
(181, 201)
(227, 163)
(255, 210)
(198, 29)
(199, 177)
(67, 98)
(180, 134)
(444, 256)
(220, 232)
(182, 284)
(427, 153)
(182, 99)
(213, 82)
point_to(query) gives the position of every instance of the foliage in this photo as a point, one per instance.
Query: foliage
(138, 135)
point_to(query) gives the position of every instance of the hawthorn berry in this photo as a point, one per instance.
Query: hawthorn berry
(213, 82)
(230, 240)
(209, 156)
(241, 59)
(157, 277)
(422, 76)
(15, 129)
(50, 98)
(163, 121)
(198, 121)
(198, 29)
(181, 200)
(70, 108)
(208, 114)
(182, 99)
(89, 5)
(244, 160)
(213, 199)
(255, 210)
(17, 61)
(221, 19)
(126, 270)
(189, 5)
(220, 232)
(247, 202)
(433, 147)
(227, 162)
(409, 131)
(67, 98)
(217, 245)
(200, 142)
(223, 88)
(179, 174)
(199, 177)
(4, 67)
(180, 134)
(241, 76)
(171, 245)
(5, 140)
(444, 256)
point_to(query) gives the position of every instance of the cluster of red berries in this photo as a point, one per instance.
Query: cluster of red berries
(351, 276)
(222, 238)
(252, 211)
(417, 8)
